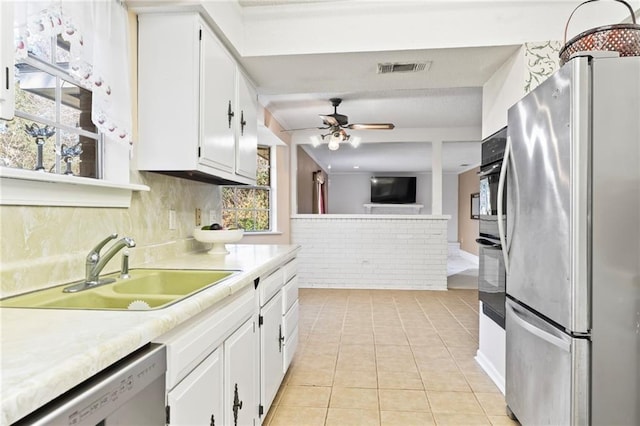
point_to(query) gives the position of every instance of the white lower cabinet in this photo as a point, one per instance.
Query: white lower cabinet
(278, 319)
(241, 376)
(271, 341)
(212, 365)
(197, 400)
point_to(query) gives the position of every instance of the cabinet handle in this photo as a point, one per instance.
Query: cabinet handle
(237, 405)
(280, 338)
(242, 123)
(212, 422)
(230, 114)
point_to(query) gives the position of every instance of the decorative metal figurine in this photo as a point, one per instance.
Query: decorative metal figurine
(68, 154)
(40, 134)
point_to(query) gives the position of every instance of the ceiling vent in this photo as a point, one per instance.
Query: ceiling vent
(403, 67)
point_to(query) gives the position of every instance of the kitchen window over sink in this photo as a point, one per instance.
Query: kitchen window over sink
(51, 108)
(71, 97)
(249, 207)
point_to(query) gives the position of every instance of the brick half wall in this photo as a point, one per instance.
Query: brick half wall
(371, 251)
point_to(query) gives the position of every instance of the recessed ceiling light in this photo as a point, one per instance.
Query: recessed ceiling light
(356, 167)
(329, 167)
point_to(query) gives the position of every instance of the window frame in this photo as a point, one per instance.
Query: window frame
(61, 74)
(21, 187)
(271, 189)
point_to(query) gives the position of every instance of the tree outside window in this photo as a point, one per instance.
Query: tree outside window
(249, 207)
(46, 95)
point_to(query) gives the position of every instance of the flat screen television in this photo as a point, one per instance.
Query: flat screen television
(393, 189)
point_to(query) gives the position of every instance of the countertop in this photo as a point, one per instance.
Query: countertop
(45, 352)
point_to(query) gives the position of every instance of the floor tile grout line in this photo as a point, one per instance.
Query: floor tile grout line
(397, 302)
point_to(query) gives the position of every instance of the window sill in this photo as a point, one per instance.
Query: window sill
(29, 188)
(256, 233)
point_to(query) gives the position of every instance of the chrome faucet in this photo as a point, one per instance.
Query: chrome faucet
(95, 263)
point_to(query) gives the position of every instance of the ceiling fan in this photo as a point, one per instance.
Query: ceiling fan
(337, 123)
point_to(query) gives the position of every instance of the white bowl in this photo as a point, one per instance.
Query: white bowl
(218, 238)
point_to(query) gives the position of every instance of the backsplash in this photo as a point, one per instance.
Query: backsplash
(46, 246)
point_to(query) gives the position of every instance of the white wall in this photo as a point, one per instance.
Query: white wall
(501, 91)
(450, 204)
(349, 191)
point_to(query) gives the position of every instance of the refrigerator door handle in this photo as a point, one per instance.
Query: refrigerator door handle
(519, 317)
(501, 182)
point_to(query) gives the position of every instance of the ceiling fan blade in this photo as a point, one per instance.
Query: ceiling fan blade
(305, 128)
(330, 120)
(371, 126)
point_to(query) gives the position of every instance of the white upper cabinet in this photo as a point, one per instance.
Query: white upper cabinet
(217, 104)
(247, 129)
(192, 99)
(6, 60)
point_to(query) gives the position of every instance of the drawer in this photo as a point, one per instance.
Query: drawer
(270, 285)
(290, 346)
(289, 294)
(290, 321)
(191, 342)
(290, 269)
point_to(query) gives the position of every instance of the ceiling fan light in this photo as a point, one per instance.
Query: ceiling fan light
(354, 141)
(315, 141)
(334, 141)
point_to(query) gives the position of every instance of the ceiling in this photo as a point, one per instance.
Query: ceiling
(448, 94)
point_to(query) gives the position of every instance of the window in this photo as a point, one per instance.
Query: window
(52, 129)
(249, 207)
(71, 86)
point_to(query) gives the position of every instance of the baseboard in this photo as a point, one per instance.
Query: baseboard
(491, 371)
(468, 256)
(453, 248)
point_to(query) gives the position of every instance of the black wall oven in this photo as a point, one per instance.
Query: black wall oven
(492, 277)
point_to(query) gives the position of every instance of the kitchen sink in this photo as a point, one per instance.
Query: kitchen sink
(158, 288)
(164, 281)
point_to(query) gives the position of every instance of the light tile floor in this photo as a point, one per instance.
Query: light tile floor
(385, 357)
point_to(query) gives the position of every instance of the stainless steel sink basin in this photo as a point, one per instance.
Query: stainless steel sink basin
(158, 288)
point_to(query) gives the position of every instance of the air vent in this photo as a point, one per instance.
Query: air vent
(403, 67)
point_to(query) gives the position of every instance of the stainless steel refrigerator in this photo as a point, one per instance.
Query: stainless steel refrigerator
(573, 247)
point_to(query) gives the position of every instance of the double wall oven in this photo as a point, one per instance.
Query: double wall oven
(492, 277)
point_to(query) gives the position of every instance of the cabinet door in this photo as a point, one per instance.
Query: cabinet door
(217, 104)
(271, 342)
(247, 148)
(197, 400)
(241, 375)
(6, 61)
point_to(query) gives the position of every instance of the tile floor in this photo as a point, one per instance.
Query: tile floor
(385, 357)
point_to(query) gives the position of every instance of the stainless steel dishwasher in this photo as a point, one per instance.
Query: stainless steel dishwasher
(129, 392)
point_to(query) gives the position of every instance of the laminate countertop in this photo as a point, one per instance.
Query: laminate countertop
(46, 352)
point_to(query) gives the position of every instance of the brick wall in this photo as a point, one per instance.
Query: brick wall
(371, 251)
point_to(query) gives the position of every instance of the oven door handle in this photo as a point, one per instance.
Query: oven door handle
(489, 171)
(488, 243)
